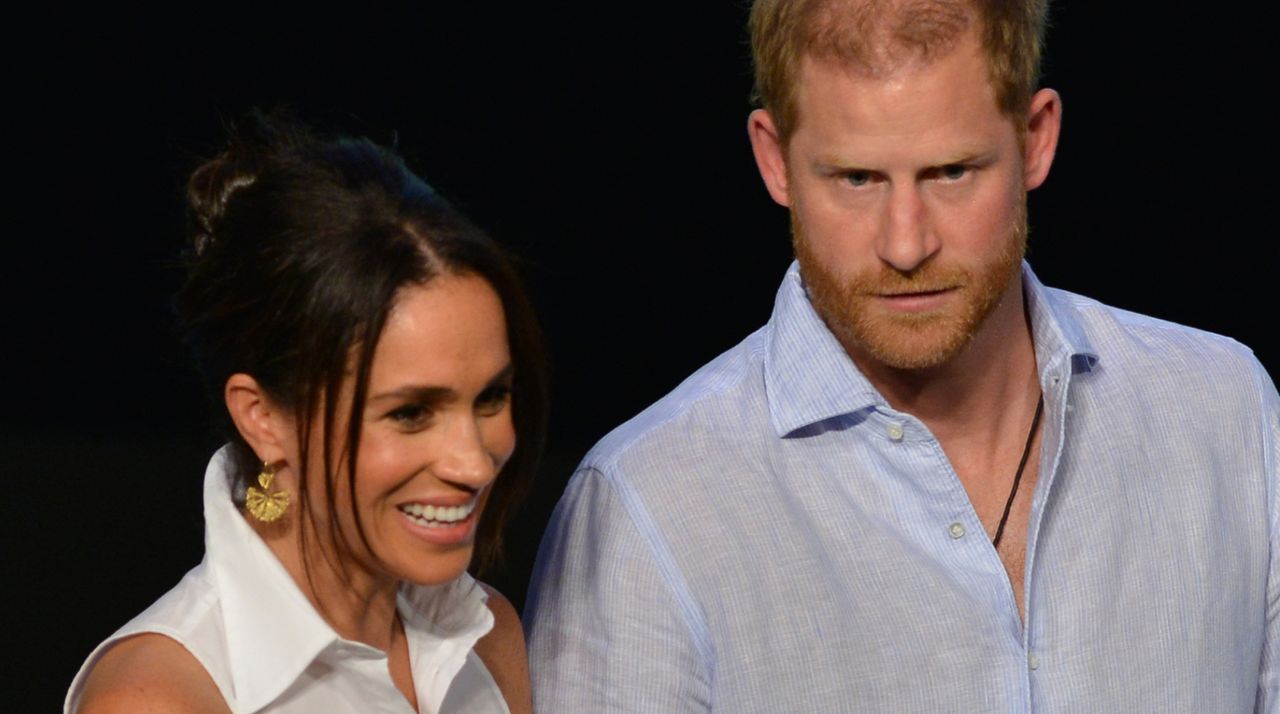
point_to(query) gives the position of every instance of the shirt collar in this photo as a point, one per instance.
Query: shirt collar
(809, 377)
(443, 624)
(274, 633)
(1056, 330)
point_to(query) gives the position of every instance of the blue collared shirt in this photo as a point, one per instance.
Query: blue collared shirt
(772, 536)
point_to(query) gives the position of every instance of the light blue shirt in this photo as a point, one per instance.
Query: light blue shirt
(773, 537)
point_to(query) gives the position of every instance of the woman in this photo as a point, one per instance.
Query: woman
(375, 357)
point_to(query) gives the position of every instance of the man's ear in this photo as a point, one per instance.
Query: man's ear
(263, 424)
(1044, 122)
(770, 155)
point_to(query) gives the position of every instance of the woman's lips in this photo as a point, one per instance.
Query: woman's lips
(442, 525)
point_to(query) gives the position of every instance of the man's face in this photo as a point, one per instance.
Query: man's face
(907, 196)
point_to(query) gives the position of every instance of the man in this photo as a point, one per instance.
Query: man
(929, 483)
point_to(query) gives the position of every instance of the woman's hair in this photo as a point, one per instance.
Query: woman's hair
(299, 246)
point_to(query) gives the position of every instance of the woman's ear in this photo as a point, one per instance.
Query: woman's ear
(265, 425)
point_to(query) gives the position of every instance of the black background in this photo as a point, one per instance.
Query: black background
(604, 142)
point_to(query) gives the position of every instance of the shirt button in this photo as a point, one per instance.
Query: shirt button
(956, 530)
(1033, 662)
(895, 432)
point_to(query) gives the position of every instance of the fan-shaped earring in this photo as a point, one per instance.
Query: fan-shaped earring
(262, 503)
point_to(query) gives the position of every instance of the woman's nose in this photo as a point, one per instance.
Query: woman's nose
(465, 461)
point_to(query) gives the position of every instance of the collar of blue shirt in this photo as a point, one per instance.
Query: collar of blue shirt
(809, 378)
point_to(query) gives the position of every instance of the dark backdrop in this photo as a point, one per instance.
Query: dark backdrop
(604, 142)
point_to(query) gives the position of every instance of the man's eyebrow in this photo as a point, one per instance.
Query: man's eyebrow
(966, 157)
(832, 162)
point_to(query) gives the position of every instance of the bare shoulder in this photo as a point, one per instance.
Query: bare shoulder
(503, 653)
(150, 673)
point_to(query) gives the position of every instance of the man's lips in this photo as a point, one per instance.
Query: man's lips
(913, 293)
(916, 299)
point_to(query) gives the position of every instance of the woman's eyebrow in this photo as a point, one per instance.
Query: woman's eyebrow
(506, 374)
(430, 394)
(419, 393)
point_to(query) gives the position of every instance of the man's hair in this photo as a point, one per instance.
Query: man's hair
(875, 36)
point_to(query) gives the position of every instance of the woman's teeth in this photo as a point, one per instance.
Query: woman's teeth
(437, 516)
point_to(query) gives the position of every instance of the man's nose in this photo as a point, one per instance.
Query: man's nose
(907, 238)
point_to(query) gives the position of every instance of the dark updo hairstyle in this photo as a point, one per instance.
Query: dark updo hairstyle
(299, 246)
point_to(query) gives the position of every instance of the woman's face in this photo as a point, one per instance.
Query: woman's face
(436, 431)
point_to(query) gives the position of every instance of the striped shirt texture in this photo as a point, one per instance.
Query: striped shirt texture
(772, 536)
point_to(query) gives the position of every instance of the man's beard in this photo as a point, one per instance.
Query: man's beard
(910, 340)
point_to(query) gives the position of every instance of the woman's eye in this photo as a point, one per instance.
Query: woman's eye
(493, 400)
(411, 416)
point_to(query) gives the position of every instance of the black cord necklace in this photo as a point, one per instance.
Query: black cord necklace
(1017, 478)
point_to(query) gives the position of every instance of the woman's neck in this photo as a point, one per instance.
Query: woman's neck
(358, 603)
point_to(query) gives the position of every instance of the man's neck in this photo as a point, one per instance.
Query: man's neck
(980, 392)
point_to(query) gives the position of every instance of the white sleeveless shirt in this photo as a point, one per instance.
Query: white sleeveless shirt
(267, 649)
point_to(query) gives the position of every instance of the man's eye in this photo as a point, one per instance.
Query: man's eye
(954, 172)
(858, 178)
(493, 400)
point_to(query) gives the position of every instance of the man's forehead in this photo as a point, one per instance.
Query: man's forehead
(902, 75)
(945, 109)
(877, 36)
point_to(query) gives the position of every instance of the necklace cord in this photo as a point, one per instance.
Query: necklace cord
(1017, 478)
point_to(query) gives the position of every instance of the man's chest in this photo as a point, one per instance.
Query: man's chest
(872, 573)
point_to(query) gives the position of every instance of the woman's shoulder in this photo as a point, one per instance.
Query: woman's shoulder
(503, 652)
(168, 658)
(150, 672)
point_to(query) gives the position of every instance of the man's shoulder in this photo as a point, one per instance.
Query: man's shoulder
(1128, 342)
(722, 400)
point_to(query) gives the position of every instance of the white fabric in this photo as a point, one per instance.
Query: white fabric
(244, 618)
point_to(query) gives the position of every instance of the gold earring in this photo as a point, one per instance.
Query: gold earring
(262, 504)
